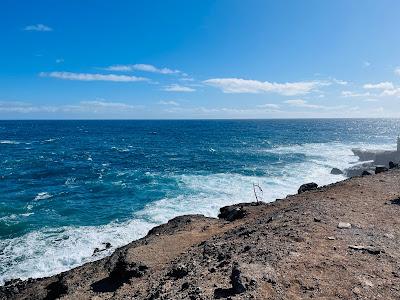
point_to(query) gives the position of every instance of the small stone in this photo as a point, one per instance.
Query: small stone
(316, 219)
(389, 235)
(331, 238)
(96, 250)
(380, 169)
(343, 225)
(369, 249)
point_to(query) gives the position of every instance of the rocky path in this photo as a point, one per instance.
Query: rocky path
(337, 242)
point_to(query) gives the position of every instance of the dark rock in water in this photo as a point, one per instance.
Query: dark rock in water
(307, 187)
(96, 250)
(231, 213)
(336, 171)
(380, 169)
(237, 285)
(108, 245)
(358, 169)
(393, 165)
(365, 173)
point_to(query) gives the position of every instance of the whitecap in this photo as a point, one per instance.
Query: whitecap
(42, 196)
(9, 142)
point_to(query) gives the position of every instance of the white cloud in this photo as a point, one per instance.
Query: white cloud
(301, 103)
(98, 105)
(142, 67)
(238, 85)
(22, 107)
(379, 86)
(395, 92)
(171, 103)
(366, 64)
(397, 71)
(388, 89)
(178, 88)
(95, 106)
(339, 81)
(38, 27)
(59, 60)
(269, 105)
(304, 104)
(92, 77)
(348, 94)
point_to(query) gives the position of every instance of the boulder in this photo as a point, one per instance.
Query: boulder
(380, 169)
(231, 213)
(393, 165)
(179, 271)
(307, 187)
(365, 173)
(358, 169)
(336, 171)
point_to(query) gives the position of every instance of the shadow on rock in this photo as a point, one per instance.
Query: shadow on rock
(395, 201)
(56, 290)
(122, 272)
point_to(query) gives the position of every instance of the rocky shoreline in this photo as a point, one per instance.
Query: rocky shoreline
(335, 242)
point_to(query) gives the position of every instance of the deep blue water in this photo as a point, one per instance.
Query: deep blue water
(69, 186)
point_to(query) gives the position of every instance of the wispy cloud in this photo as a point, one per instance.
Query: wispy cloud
(178, 88)
(340, 81)
(170, 103)
(379, 86)
(397, 71)
(38, 27)
(92, 77)
(98, 105)
(302, 103)
(268, 105)
(366, 64)
(388, 89)
(95, 106)
(141, 67)
(351, 94)
(238, 85)
(305, 104)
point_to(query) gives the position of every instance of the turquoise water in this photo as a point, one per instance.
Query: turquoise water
(67, 187)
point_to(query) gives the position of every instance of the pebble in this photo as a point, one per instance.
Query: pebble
(331, 238)
(343, 225)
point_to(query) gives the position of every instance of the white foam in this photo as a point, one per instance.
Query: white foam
(42, 196)
(50, 251)
(9, 142)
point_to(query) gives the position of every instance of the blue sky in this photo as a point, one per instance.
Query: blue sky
(199, 59)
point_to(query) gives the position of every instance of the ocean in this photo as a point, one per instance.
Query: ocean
(68, 187)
